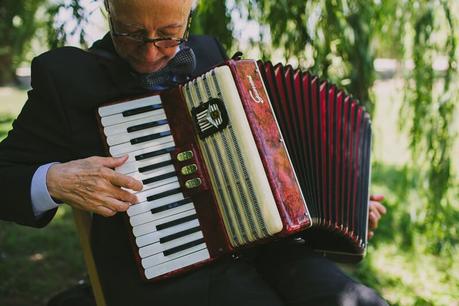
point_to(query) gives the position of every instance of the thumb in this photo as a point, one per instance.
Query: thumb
(376, 197)
(113, 162)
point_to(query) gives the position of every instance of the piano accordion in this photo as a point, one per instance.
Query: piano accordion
(242, 154)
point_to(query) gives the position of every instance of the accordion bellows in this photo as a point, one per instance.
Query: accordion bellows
(242, 154)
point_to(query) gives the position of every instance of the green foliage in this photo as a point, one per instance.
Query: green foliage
(5, 124)
(22, 20)
(17, 25)
(212, 18)
(58, 31)
(400, 262)
(430, 102)
(330, 38)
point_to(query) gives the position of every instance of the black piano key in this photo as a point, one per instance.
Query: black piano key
(147, 125)
(163, 194)
(155, 166)
(179, 234)
(154, 153)
(183, 247)
(140, 110)
(158, 178)
(170, 206)
(150, 137)
(176, 222)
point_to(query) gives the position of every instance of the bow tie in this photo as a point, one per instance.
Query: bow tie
(177, 71)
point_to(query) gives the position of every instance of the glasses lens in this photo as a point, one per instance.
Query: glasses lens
(167, 43)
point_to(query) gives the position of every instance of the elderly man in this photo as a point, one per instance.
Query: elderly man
(54, 155)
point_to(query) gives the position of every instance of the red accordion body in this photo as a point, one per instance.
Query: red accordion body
(240, 155)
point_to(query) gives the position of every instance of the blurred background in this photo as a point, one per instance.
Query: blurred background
(399, 57)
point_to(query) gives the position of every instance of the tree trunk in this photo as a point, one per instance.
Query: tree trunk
(7, 69)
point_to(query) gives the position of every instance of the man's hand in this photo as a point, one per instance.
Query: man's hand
(376, 210)
(91, 184)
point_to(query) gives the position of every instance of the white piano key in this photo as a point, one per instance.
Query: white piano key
(128, 105)
(132, 166)
(126, 137)
(119, 118)
(144, 194)
(177, 263)
(155, 184)
(149, 216)
(127, 147)
(159, 258)
(123, 127)
(150, 227)
(155, 236)
(147, 206)
(155, 248)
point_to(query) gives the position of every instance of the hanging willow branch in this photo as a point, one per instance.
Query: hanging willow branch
(428, 112)
(430, 100)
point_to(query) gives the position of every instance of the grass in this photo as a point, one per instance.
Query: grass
(406, 262)
(401, 262)
(36, 264)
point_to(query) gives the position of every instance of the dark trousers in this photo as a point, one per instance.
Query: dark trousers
(281, 274)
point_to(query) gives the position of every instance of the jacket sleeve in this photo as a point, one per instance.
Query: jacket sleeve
(39, 136)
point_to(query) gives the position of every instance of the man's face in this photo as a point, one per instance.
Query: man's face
(153, 18)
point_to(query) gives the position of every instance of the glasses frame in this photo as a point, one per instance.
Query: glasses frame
(154, 41)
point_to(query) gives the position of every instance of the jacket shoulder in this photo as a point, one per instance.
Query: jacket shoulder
(64, 57)
(209, 52)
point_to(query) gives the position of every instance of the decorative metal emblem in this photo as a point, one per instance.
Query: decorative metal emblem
(210, 117)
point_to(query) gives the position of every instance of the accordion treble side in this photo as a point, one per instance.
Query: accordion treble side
(246, 152)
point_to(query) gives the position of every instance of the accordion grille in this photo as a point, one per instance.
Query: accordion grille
(241, 187)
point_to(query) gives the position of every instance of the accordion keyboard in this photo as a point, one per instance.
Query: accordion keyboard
(164, 222)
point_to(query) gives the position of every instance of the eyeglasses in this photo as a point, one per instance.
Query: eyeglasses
(163, 42)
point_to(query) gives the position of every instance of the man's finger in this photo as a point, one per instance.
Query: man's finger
(372, 221)
(125, 181)
(376, 213)
(114, 204)
(377, 206)
(121, 195)
(376, 197)
(370, 234)
(104, 211)
(113, 162)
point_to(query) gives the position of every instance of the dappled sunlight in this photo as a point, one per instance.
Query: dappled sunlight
(62, 212)
(37, 257)
(410, 276)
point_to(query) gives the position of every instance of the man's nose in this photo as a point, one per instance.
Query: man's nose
(150, 52)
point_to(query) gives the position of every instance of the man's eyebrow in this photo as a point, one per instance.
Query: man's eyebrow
(141, 27)
(171, 26)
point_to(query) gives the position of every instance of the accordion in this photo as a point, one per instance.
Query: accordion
(246, 153)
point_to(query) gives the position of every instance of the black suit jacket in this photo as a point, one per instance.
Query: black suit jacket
(57, 124)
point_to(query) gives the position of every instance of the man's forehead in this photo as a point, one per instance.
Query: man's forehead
(185, 5)
(151, 13)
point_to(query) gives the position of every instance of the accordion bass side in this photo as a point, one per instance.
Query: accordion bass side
(244, 153)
